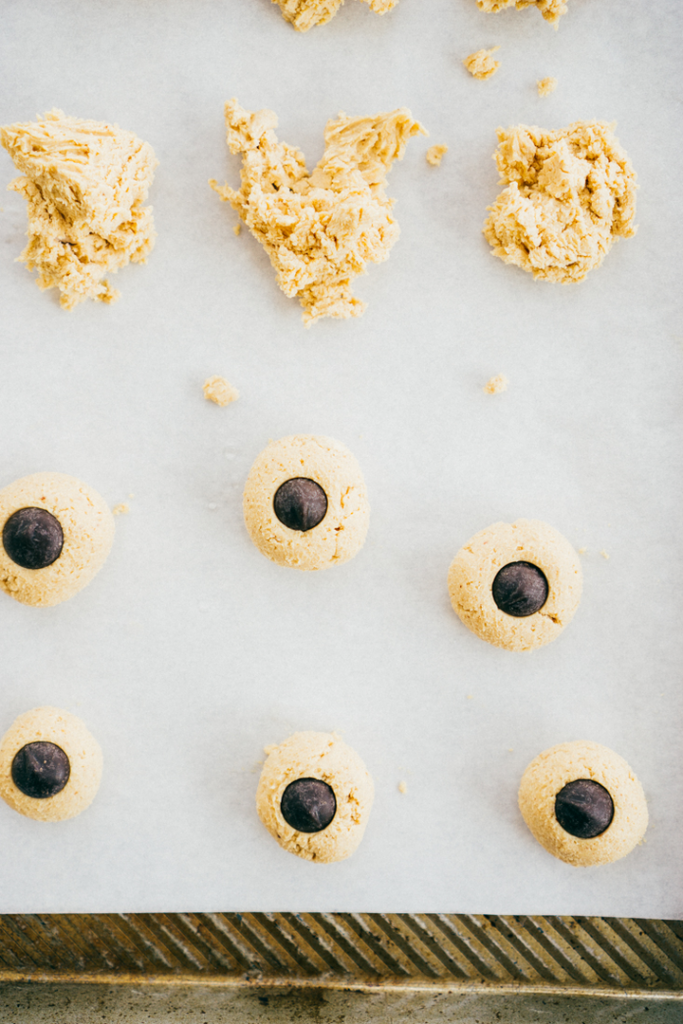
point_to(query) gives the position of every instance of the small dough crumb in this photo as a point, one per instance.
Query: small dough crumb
(403, 786)
(569, 195)
(551, 10)
(546, 85)
(582, 551)
(604, 555)
(320, 230)
(435, 154)
(122, 509)
(237, 229)
(218, 390)
(85, 183)
(496, 385)
(481, 64)
(305, 14)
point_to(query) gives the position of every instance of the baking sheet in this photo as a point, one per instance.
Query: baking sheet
(190, 651)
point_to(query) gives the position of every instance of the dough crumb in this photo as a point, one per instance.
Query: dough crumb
(403, 786)
(481, 64)
(305, 14)
(546, 85)
(551, 10)
(435, 155)
(582, 551)
(605, 555)
(122, 509)
(569, 195)
(320, 230)
(496, 385)
(218, 390)
(237, 229)
(85, 183)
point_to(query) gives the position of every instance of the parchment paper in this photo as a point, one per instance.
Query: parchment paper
(190, 651)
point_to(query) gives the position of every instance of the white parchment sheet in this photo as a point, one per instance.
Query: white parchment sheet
(190, 651)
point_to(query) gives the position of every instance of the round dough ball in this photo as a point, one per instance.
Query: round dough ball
(88, 528)
(552, 770)
(340, 534)
(476, 565)
(50, 725)
(323, 756)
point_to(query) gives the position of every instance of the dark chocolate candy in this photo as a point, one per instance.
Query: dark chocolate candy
(520, 589)
(300, 503)
(584, 808)
(33, 538)
(40, 769)
(308, 805)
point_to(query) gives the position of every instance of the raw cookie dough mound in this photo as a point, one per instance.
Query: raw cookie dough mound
(315, 796)
(85, 183)
(550, 9)
(570, 194)
(516, 585)
(305, 503)
(320, 229)
(583, 803)
(305, 14)
(50, 765)
(56, 533)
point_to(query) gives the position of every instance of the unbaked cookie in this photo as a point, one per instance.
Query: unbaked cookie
(516, 585)
(315, 796)
(551, 10)
(56, 535)
(85, 183)
(305, 14)
(570, 194)
(305, 503)
(583, 803)
(50, 765)
(320, 230)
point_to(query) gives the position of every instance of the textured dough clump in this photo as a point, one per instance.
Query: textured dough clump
(546, 85)
(476, 565)
(305, 14)
(88, 528)
(85, 183)
(219, 390)
(496, 385)
(85, 762)
(340, 535)
(550, 9)
(435, 154)
(551, 771)
(320, 229)
(570, 194)
(317, 755)
(481, 64)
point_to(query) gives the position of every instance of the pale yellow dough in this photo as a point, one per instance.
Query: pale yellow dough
(435, 154)
(570, 194)
(305, 14)
(324, 756)
(340, 535)
(546, 85)
(550, 9)
(481, 64)
(88, 528)
(320, 229)
(219, 390)
(496, 385)
(476, 565)
(85, 761)
(551, 771)
(85, 183)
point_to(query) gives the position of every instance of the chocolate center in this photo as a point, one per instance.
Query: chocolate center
(300, 503)
(520, 589)
(33, 538)
(584, 808)
(308, 805)
(40, 769)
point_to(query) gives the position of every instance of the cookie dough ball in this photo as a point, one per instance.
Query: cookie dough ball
(516, 585)
(305, 503)
(583, 803)
(314, 796)
(50, 765)
(56, 535)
